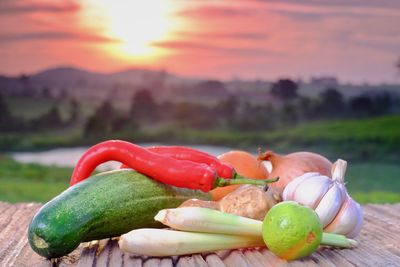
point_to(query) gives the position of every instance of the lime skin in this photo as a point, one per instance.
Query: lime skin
(291, 231)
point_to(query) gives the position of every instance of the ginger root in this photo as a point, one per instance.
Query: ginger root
(248, 201)
(200, 203)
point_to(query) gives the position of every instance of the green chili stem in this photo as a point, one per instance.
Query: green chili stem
(220, 182)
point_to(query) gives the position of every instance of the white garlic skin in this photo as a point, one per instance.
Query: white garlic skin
(338, 212)
(291, 187)
(311, 191)
(348, 221)
(330, 204)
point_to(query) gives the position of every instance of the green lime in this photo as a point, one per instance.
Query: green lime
(292, 231)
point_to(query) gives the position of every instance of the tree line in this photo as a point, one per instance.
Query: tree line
(51, 119)
(286, 109)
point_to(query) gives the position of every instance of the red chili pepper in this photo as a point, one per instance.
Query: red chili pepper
(185, 153)
(180, 173)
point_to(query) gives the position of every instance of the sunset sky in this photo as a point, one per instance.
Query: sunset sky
(355, 40)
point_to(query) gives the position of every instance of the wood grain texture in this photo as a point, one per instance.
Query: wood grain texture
(379, 246)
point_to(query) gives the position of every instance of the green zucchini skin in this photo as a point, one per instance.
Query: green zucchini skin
(105, 205)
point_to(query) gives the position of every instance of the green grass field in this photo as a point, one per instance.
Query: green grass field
(374, 138)
(371, 182)
(30, 182)
(371, 146)
(368, 139)
(367, 182)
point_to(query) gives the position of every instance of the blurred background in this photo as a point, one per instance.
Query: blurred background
(321, 76)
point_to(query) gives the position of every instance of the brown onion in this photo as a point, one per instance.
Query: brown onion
(288, 167)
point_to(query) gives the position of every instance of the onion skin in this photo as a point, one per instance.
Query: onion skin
(288, 167)
(245, 164)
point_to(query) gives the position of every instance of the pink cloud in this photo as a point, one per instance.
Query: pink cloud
(254, 36)
(18, 7)
(55, 36)
(216, 11)
(353, 39)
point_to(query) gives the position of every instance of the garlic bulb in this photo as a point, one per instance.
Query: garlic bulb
(338, 212)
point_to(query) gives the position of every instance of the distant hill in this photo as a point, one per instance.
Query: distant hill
(66, 76)
(62, 76)
(85, 84)
(121, 85)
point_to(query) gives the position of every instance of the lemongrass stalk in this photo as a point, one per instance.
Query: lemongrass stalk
(336, 240)
(163, 242)
(195, 219)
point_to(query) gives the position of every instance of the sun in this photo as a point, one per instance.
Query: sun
(137, 23)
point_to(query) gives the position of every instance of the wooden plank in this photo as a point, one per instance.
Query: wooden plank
(3, 207)
(71, 260)
(88, 256)
(131, 261)
(379, 246)
(236, 258)
(192, 261)
(373, 252)
(152, 262)
(103, 253)
(14, 249)
(116, 255)
(389, 211)
(254, 257)
(386, 238)
(156, 262)
(166, 262)
(385, 231)
(334, 258)
(7, 215)
(299, 263)
(396, 207)
(214, 261)
(271, 259)
(388, 226)
(370, 252)
(318, 259)
(199, 261)
(390, 220)
(222, 253)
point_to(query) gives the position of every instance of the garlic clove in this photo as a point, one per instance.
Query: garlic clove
(347, 218)
(311, 191)
(330, 204)
(339, 170)
(290, 188)
(357, 229)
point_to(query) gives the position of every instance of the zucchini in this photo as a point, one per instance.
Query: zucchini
(106, 205)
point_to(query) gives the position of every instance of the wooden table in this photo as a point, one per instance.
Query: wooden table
(379, 246)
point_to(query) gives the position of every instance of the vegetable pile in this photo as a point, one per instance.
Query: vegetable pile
(290, 166)
(196, 171)
(210, 203)
(338, 212)
(205, 230)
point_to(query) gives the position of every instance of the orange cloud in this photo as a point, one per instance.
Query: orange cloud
(55, 36)
(19, 7)
(355, 40)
